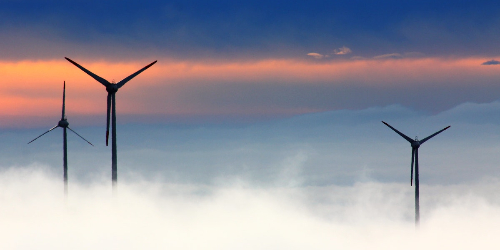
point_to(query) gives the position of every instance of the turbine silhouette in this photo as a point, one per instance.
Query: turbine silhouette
(415, 144)
(111, 88)
(63, 123)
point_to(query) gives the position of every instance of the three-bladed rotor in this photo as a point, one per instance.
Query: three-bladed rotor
(63, 123)
(415, 144)
(111, 88)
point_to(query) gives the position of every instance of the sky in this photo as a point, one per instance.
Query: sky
(258, 127)
(249, 60)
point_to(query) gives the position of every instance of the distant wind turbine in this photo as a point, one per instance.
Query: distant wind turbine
(415, 144)
(111, 88)
(63, 123)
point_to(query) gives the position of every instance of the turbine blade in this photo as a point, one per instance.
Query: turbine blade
(96, 77)
(122, 82)
(80, 136)
(44, 133)
(430, 136)
(401, 134)
(64, 101)
(412, 160)
(107, 118)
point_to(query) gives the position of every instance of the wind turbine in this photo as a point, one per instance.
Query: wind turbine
(63, 123)
(111, 88)
(415, 144)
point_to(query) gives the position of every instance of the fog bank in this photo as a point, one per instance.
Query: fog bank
(234, 214)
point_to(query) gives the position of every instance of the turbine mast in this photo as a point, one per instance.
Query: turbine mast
(65, 141)
(65, 162)
(417, 191)
(114, 157)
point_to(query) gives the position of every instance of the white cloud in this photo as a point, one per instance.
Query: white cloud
(399, 56)
(289, 184)
(153, 215)
(342, 51)
(316, 55)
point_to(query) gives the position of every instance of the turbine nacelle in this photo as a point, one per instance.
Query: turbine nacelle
(415, 144)
(63, 123)
(112, 88)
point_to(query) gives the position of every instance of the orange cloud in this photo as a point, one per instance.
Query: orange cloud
(367, 72)
(34, 88)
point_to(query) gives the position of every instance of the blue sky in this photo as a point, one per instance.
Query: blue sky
(247, 29)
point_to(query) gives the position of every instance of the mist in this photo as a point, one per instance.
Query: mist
(237, 215)
(337, 147)
(332, 180)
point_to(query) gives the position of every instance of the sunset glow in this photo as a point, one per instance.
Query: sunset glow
(34, 87)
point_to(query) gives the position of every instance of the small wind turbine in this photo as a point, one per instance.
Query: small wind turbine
(111, 88)
(415, 144)
(63, 123)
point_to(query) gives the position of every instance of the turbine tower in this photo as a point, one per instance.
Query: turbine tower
(63, 123)
(415, 144)
(111, 88)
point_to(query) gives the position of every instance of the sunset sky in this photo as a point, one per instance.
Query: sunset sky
(247, 60)
(257, 115)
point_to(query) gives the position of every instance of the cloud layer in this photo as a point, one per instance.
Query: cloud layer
(342, 51)
(235, 215)
(243, 89)
(337, 179)
(329, 148)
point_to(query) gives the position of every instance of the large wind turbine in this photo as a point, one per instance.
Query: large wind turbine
(415, 144)
(111, 88)
(63, 123)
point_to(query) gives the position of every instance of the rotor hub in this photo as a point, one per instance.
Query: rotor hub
(112, 88)
(63, 123)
